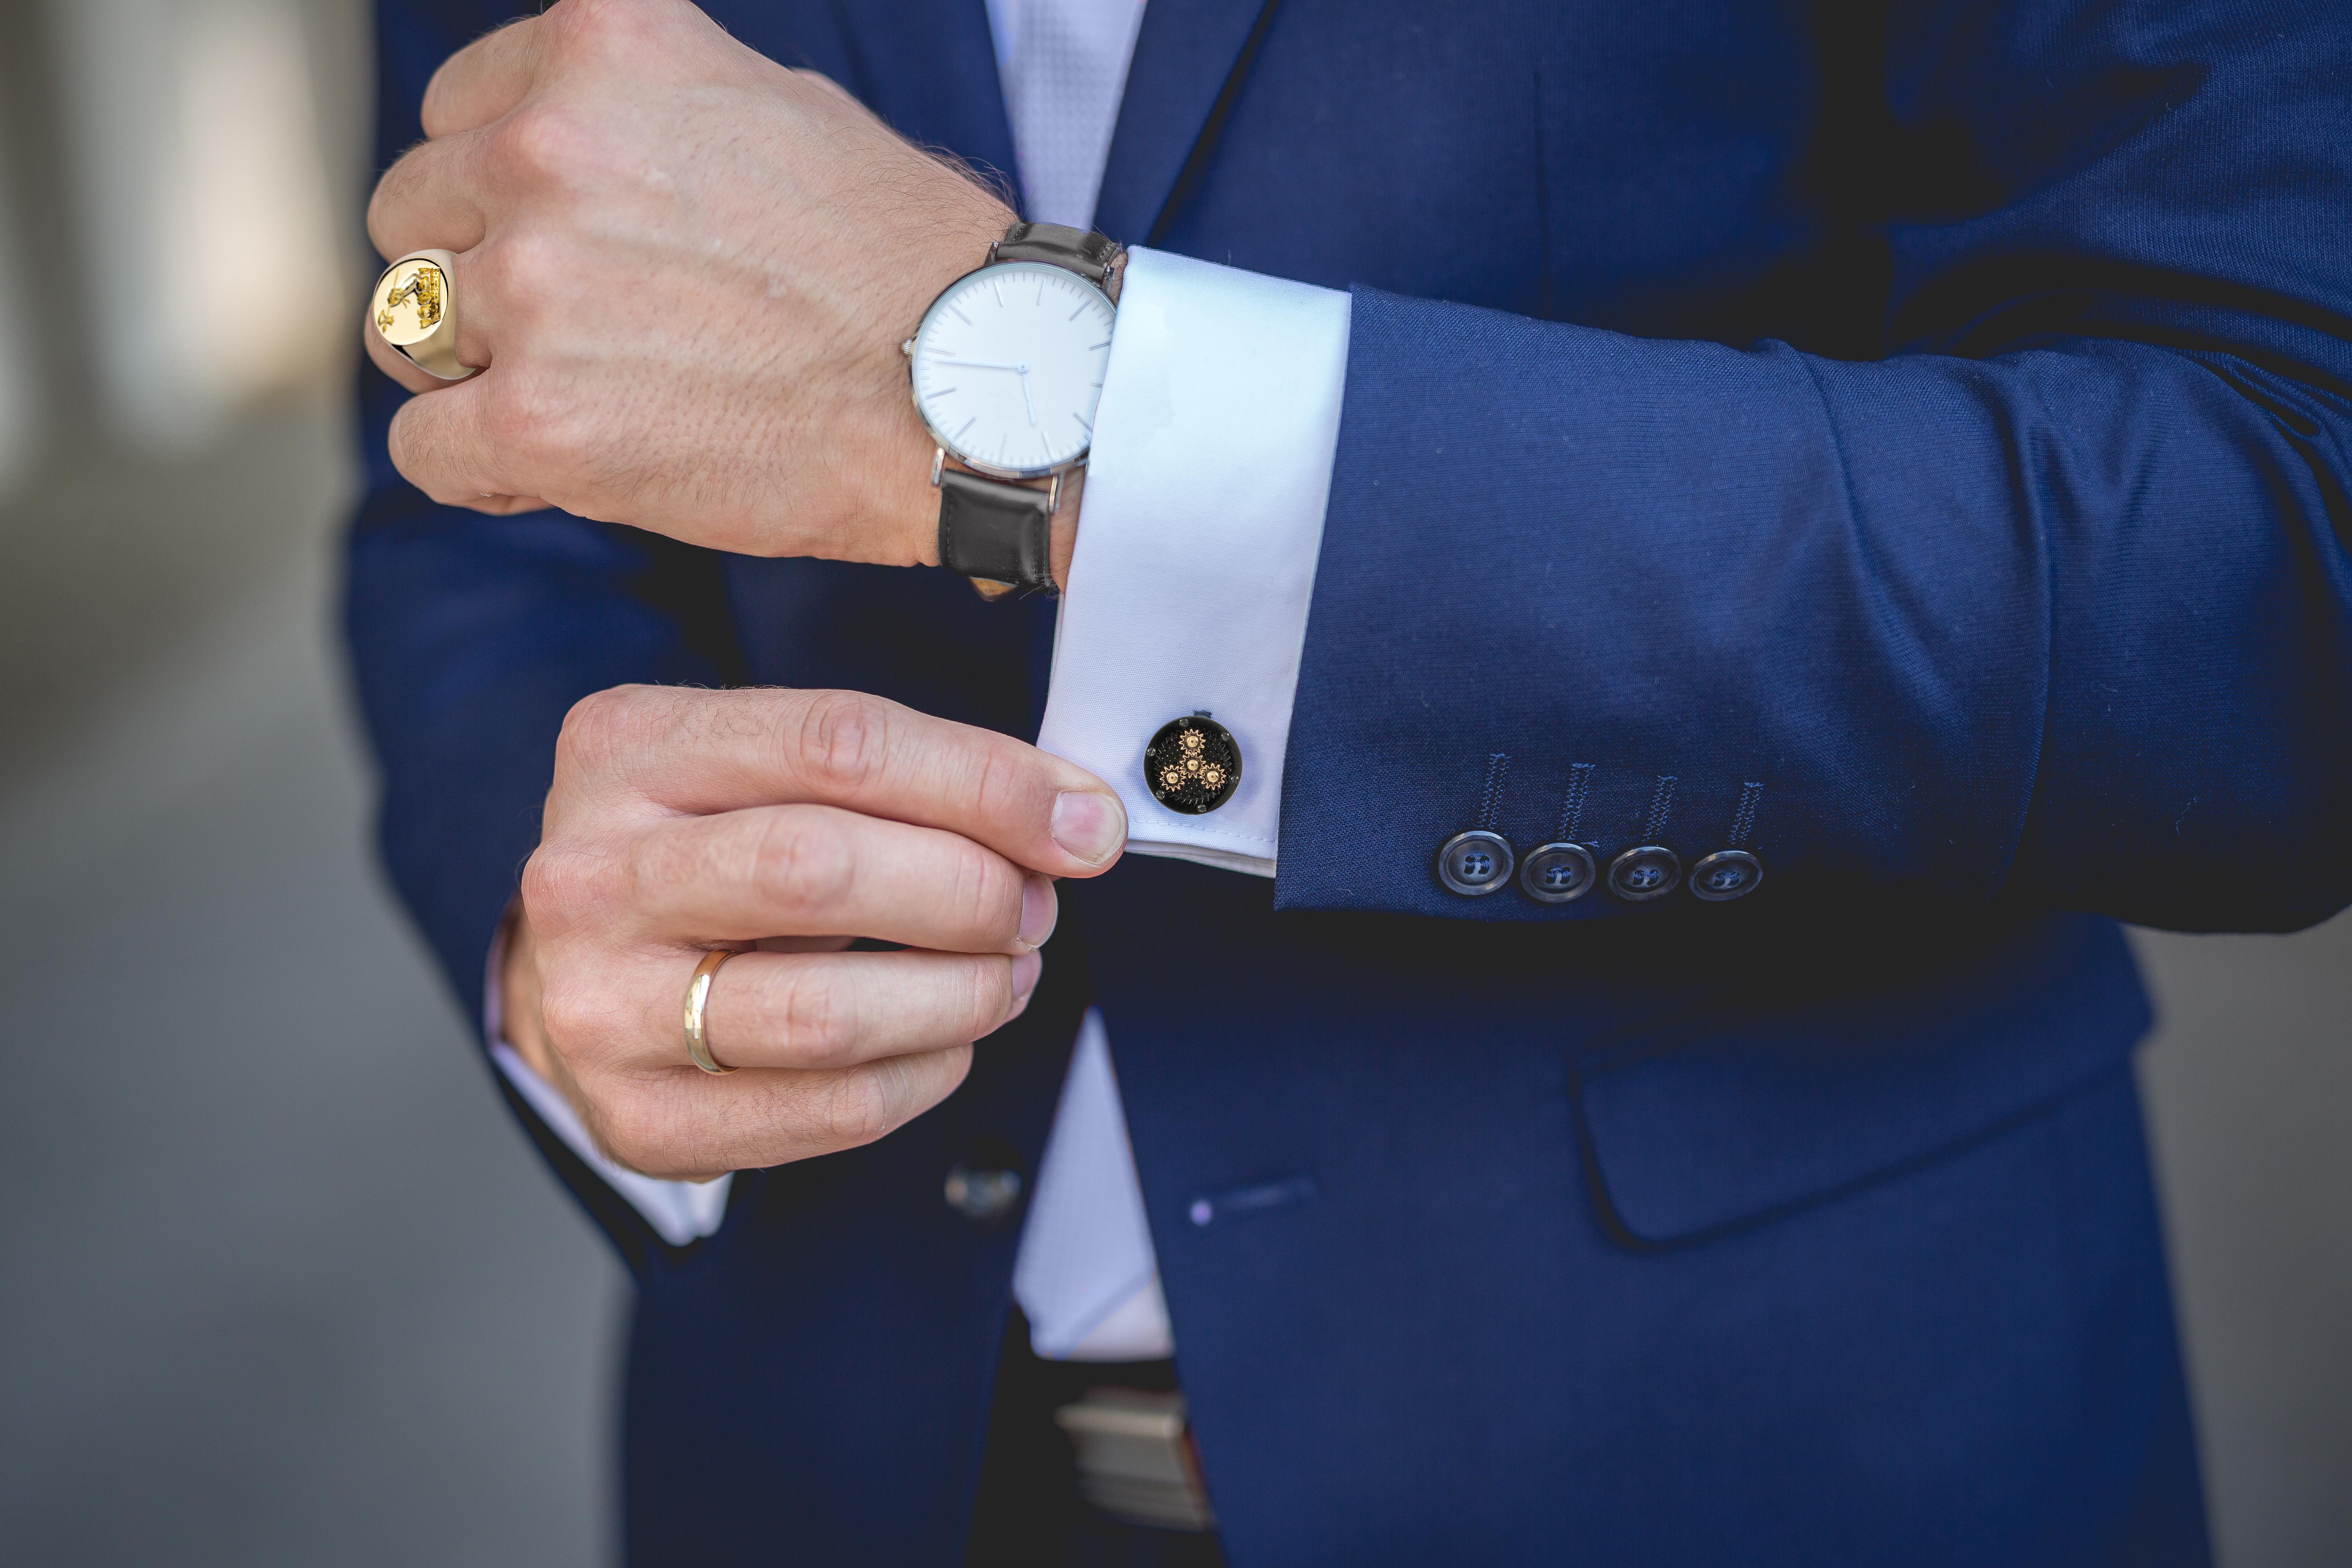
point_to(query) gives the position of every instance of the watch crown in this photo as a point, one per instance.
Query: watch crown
(907, 348)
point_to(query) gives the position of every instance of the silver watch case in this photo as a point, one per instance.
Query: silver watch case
(947, 448)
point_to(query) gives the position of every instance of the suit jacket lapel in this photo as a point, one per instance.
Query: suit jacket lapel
(1190, 60)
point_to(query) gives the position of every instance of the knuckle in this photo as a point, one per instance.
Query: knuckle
(818, 1018)
(575, 1014)
(604, 730)
(546, 143)
(988, 994)
(843, 738)
(588, 20)
(643, 1123)
(619, 31)
(434, 111)
(518, 268)
(400, 443)
(564, 885)
(1007, 779)
(527, 420)
(983, 893)
(855, 1109)
(444, 99)
(660, 867)
(388, 191)
(806, 862)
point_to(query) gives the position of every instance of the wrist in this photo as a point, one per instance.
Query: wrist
(1026, 335)
(902, 507)
(1061, 530)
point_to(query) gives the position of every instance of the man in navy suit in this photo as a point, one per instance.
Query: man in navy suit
(1648, 587)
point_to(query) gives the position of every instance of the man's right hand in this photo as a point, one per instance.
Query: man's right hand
(683, 820)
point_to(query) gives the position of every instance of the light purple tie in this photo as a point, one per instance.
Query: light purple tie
(1063, 64)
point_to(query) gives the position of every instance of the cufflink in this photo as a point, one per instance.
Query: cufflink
(1192, 766)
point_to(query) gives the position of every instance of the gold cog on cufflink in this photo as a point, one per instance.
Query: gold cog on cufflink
(413, 311)
(1192, 766)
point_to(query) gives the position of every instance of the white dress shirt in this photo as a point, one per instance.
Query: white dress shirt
(1210, 463)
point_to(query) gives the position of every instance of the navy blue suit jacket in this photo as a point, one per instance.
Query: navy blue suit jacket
(1935, 413)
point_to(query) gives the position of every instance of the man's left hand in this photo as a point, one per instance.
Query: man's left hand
(686, 271)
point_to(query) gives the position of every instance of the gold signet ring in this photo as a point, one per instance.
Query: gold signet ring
(697, 1000)
(415, 309)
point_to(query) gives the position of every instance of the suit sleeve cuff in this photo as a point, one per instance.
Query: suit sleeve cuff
(1202, 520)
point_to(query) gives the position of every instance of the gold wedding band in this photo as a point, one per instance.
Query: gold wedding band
(697, 999)
(415, 310)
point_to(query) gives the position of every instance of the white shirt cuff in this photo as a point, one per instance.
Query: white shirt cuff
(1202, 520)
(678, 1212)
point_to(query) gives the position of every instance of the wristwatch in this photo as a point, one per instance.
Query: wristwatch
(1006, 369)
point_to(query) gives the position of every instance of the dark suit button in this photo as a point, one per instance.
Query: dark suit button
(1557, 873)
(1192, 764)
(1726, 875)
(1644, 872)
(1475, 862)
(981, 1195)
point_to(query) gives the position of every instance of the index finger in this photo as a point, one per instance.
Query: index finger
(485, 81)
(705, 752)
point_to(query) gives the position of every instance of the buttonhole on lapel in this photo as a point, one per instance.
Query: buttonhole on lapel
(1206, 1211)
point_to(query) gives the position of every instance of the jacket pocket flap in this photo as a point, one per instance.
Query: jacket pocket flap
(1746, 1113)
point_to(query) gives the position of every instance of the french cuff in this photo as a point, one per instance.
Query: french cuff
(678, 1212)
(1202, 520)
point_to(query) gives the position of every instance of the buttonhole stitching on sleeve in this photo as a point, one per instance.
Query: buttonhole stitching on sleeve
(1662, 805)
(1498, 766)
(1571, 808)
(1746, 817)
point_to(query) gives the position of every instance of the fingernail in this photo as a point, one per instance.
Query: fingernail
(1026, 969)
(1039, 910)
(1088, 823)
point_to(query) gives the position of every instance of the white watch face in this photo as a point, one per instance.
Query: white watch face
(1008, 365)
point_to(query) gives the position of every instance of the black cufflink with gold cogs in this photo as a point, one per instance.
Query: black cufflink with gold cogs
(1192, 764)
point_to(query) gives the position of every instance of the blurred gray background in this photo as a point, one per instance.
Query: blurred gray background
(280, 1284)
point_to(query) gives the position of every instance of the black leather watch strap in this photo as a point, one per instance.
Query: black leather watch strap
(995, 532)
(1093, 256)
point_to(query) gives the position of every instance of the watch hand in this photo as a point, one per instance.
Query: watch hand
(1024, 394)
(983, 365)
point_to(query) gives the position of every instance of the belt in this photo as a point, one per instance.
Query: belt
(1089, 1463)
(1135, 1458)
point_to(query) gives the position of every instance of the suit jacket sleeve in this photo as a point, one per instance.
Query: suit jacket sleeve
(2050, 604)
